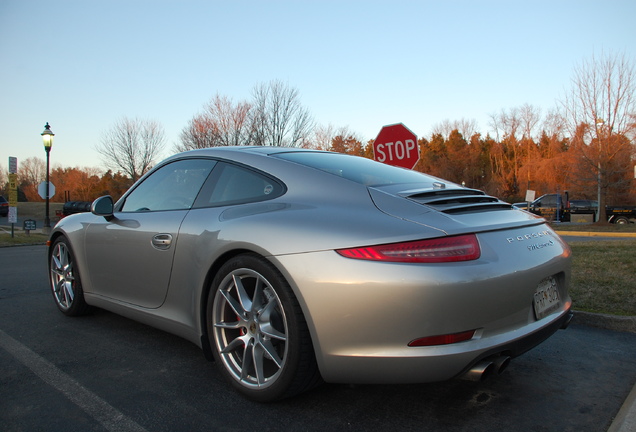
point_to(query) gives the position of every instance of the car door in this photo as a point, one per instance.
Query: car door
(129, 257)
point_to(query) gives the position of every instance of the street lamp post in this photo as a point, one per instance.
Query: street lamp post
(47, 137)
(599, 176)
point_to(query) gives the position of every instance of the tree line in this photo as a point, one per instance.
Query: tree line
(506, 168)
(71, 184)
(585, 145)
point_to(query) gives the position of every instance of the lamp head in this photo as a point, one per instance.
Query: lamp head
(47, 137)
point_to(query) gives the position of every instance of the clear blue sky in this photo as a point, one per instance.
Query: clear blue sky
(81, 65)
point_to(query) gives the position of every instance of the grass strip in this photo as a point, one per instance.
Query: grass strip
(608, 228)
(21, 238)
(603, 277)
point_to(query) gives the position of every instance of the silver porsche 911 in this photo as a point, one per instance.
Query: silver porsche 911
(292, 267)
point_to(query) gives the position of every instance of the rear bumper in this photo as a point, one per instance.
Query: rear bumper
(517, 347)
(439, 363)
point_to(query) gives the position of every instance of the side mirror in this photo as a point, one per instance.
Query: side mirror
(103, 206)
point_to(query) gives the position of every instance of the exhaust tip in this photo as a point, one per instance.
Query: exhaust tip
(487, 367)
(480, 371)
(501, 363)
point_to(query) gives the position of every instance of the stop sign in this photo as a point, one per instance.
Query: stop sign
(42, 190)
(396, 145)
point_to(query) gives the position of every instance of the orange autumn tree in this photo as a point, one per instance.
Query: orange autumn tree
(71, 184)
(74, 184)
(349, 145)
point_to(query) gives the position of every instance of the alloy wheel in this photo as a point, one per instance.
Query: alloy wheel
(62, 277)
(250, 328)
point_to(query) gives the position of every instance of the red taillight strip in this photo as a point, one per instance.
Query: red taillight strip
(438, 250)
(443, 339)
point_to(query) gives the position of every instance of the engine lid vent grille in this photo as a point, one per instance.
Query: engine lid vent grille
(453, 201)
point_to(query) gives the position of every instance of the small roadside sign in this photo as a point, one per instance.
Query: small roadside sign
(13, 190)
(13, 165)
(13, 216)
(13, 181)
(29, 225)
(530, 195)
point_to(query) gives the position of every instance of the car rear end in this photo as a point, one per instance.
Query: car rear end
(378, 319)
(4, 206)
(408, 278)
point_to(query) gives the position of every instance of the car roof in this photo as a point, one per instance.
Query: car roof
(263, 150)
(244, 154)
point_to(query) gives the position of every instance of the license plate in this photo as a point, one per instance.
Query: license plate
(546, 298)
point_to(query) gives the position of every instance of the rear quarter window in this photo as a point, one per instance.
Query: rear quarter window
(232, 184)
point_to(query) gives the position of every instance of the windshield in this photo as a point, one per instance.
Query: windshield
(358, 169)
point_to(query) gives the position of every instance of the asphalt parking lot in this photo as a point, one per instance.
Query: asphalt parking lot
(105, 372)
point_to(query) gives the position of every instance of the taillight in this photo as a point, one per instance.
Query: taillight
(438, 250)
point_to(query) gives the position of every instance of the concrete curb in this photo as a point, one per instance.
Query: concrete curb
(625, 420)
(608, 322)
(595, 234)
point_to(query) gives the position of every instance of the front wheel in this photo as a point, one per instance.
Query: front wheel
(65, 281)
(257, 331)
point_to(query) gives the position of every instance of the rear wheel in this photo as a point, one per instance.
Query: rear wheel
(621, 220)
(258, 333)
(65, 281)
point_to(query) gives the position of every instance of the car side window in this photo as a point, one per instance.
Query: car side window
(172, 187)
(232, 184)
(549, 201)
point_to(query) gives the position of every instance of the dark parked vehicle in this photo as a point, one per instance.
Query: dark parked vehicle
(555, 207)
(4, 206)
(72, 207)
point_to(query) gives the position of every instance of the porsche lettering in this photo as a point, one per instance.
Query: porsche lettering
(530, 236)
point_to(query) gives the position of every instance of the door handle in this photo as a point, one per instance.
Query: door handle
(162, 241)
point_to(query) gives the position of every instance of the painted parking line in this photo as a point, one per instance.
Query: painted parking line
(100, 410)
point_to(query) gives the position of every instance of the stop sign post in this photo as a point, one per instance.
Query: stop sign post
(396, 145)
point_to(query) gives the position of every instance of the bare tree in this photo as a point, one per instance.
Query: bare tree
(232, 120)
(132, 145)
(200, 132)
(32, 171)
(506, 123)
(466, 127)
(274, 118)
(600, 106)
(529, 117)
(553, 124)
(278, 118)
(222, 123)
(323, 136)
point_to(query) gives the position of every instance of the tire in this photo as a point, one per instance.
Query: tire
(66, 284)
(257, 331)
(621, 220)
